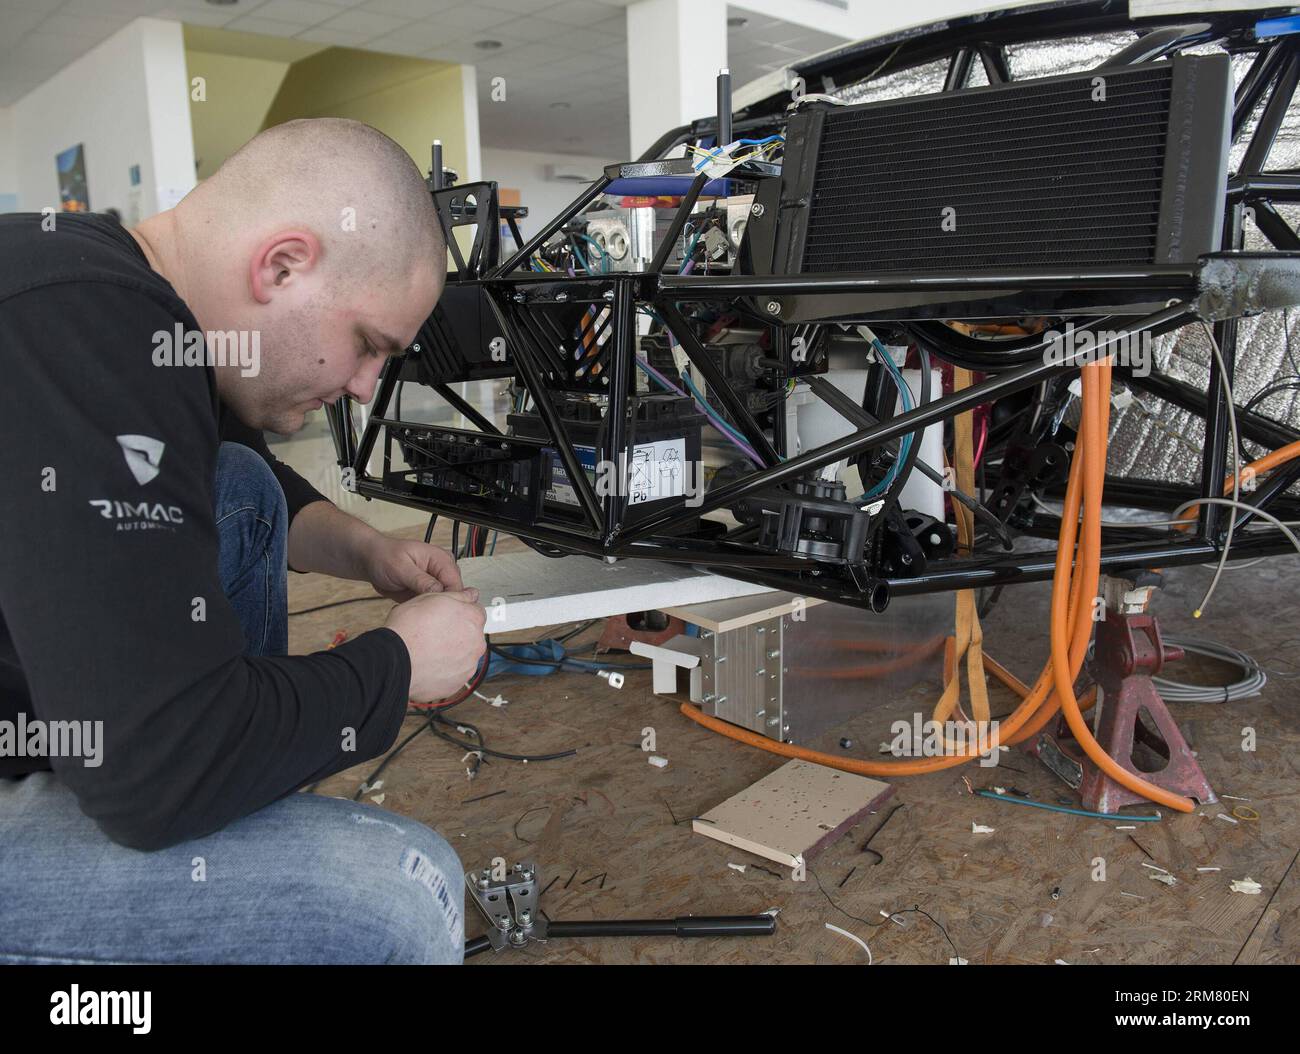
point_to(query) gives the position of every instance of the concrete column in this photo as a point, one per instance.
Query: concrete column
(674, 51)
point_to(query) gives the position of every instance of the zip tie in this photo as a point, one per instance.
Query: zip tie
(855, 939)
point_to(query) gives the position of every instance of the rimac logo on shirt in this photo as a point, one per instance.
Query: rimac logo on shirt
(144, 458)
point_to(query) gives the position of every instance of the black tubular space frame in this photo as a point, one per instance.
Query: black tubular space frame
(1180, 263)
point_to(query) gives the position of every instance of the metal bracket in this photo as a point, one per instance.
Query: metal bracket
(509, 905)
(1128, 596)
(680, 652)
(1065, 767)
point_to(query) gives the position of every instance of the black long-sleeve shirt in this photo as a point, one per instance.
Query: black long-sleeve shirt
(108, 542)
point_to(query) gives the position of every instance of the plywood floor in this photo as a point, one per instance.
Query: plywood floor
(614, 833)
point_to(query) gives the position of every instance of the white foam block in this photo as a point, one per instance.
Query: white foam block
(525, 590)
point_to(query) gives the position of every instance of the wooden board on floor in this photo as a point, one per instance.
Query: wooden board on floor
(791, 813)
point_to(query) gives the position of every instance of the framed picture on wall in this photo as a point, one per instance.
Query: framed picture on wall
(74, 196)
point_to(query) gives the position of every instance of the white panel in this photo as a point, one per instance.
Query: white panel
(1143, 8)
(338, 37)
(409, 8)
(526, 590)
(270, 27)
(369, 23)
(300, 12)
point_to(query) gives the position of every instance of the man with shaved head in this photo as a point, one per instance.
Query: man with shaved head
(152, 729)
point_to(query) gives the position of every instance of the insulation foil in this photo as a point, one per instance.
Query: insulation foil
(1151, 439)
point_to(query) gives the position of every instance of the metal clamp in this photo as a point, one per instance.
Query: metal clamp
(509, 905)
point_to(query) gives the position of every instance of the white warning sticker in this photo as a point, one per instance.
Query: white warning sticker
(657, 470)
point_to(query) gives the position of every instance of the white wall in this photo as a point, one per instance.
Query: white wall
(525, 171)
(127, 101)
(8, 167)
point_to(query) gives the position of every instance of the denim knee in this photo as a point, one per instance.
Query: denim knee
(400, 890)
(245, 482)
(252, 521)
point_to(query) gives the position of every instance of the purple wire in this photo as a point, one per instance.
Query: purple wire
(740, 444)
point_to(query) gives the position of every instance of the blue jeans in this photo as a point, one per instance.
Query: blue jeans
(307, 879)
(253, 532)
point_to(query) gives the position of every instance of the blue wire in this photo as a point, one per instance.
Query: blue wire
(586, 664)
(715, 151)
(905, 394)
(695, 392)
(686, 256)
(578, 253)
(904, 391)
(605, 259)
(718, 421)
(1072, 812)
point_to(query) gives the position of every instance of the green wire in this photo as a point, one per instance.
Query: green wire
(1073, 812)
(573, 242)
(604, 256)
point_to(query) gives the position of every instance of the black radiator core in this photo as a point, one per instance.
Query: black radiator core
(1106, 168)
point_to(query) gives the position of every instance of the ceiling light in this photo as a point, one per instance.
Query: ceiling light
(559, 106)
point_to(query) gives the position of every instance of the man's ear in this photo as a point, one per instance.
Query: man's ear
(281, 259)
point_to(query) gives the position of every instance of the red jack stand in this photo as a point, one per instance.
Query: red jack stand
(1129, 650)
(648, 627)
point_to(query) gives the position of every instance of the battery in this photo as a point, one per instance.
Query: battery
(664, 452)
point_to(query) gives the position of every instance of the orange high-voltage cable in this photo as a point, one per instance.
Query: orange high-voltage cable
(1073, 591)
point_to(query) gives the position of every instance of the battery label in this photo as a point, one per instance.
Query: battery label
(657, 470)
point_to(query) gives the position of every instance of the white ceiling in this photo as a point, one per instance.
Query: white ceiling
(553, 51)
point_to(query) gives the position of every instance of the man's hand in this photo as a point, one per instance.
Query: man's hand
(400, 570)
(325, 539)
(443, 633)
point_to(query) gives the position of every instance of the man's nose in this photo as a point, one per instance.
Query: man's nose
(362, 385)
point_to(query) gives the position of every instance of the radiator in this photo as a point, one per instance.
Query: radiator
(1108, 167)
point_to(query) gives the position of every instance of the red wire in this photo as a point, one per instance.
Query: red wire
(479, 677)
(984, 435)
